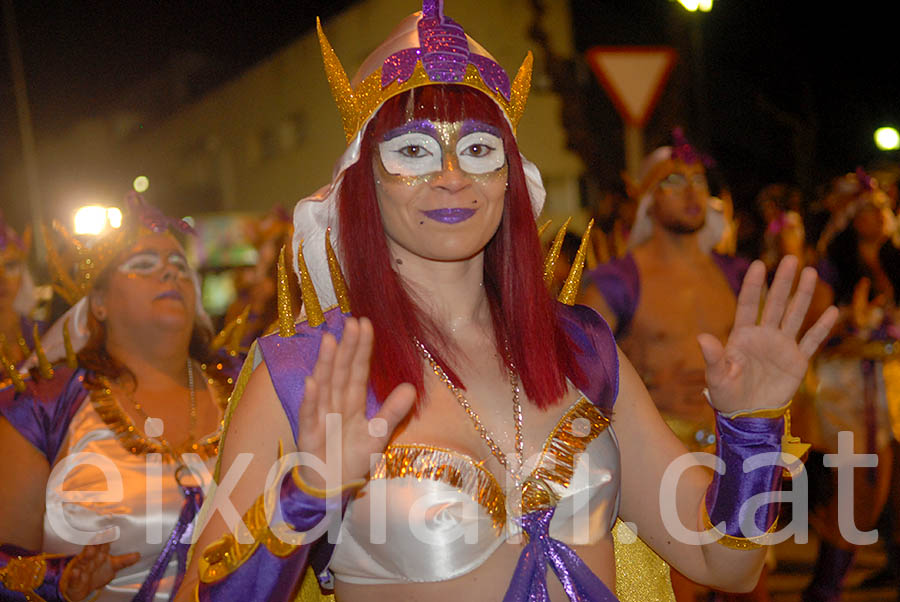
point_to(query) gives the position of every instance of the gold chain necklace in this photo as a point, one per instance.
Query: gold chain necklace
(485, 434)
(110, 411)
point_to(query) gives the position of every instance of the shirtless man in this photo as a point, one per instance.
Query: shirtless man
(668, 289)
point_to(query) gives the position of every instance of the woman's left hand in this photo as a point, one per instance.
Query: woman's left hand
(762, 364)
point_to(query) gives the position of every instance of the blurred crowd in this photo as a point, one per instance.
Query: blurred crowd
(848, 231)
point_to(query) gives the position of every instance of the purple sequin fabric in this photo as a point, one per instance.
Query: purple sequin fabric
(152, 218)
(444, 52)
(529, 582)
(685, 152)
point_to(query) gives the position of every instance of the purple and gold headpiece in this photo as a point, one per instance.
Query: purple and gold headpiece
(90, 258)
(684, 151)
(426, 48)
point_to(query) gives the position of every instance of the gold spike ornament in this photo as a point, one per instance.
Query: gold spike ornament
(233, 346)
(71, 358)
(543, 227)
(337, 277)
(311, 304)
(285, 314)
(553, 254)
(573, 282)
(45, 369)
(11, 372)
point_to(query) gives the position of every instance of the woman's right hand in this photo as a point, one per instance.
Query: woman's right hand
(91, 569)
(338, 385)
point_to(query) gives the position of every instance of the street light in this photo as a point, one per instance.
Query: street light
(887, 138)
(141, 184)
(94, 219)
(704, 6)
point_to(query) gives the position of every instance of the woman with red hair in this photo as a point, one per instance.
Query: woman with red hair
(443, 404)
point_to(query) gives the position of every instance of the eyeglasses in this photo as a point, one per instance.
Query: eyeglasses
(11, 268)
(678, 182)
(146, 263)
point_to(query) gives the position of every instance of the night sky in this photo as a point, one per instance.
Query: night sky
(773, 70)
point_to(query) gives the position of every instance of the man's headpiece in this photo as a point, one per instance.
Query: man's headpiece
(11, 241)
(656, 166)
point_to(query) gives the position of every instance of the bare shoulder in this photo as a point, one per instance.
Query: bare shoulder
(26, 467)
(593, 298)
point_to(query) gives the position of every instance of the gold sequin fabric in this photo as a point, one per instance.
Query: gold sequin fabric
(641, 575)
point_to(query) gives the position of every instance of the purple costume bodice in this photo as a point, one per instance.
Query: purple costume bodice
(43, 412)
(291, 360)
(619, 281)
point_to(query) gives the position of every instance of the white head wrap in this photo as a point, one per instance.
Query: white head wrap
(708, 236)
(314, 214)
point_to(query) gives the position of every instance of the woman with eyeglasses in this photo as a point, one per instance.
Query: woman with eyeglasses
(117, 429)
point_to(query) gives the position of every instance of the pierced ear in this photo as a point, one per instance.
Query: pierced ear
(97, 306)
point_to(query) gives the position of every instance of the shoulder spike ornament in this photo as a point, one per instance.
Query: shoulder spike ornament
(223, 337)
(233, 345)
(11, 373)
(285, 314)
(314, 314)
(337, 277)
(573, 282)
(45, 369)
(71, 358)
(543, 227)
(553, 253)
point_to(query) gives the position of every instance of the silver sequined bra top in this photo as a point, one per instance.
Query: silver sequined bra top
(431, 513)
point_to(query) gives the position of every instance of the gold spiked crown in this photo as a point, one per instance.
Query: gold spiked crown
(76, 265)
(426, 48)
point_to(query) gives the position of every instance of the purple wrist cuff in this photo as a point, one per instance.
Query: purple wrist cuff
(304, 510)
(750, 449)
(272, 568)
(24, 574)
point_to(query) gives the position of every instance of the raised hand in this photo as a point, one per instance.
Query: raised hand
(338, 385)
(762, 364)
(91, 569)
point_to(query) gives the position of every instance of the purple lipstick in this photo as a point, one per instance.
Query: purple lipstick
(450, 216)
(173, 294)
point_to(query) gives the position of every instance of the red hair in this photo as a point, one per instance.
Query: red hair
(522, 310)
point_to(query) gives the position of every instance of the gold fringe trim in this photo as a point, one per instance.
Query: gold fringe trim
(738, 543)
(426, 462)
(573, 282)
(557, 464)
(553, 253)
